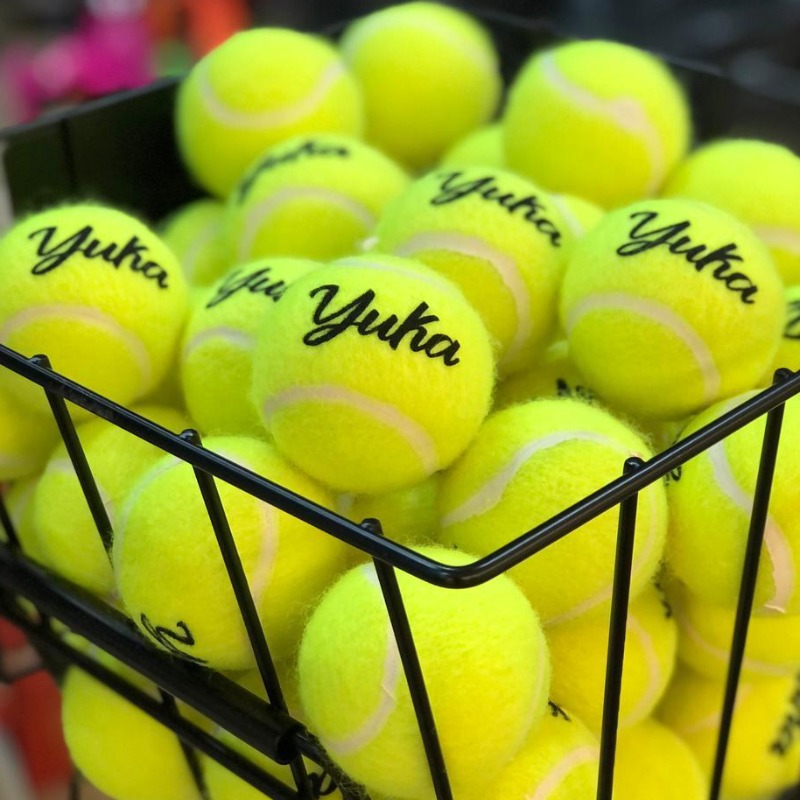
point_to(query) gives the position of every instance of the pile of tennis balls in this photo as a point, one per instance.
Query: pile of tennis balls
(406, 299)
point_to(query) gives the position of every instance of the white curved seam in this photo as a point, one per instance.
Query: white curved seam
(711, 721)
(268, 118)
(197, 246)
(344, 503)
(374, 724)
(417, 438)
(490, 493)
(267, 553)
(625, 112)
(780, 553)
(662, 315)
(258, 213)
(233, 336)
(649, 697)
(85, 314)
(586, 754)
(506, 268)
(433, 279)
(573, 224)
(779, 238)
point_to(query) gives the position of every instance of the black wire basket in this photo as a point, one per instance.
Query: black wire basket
(90, 152)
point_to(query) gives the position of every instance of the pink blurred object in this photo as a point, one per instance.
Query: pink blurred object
(111, 50)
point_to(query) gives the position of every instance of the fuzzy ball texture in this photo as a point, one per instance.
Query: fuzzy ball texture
(26, 438)
(98, 292)
(171, 576)
(256, 89)
(499, 238)
(216, 364)
(559, 761)
(429, 74)
(488, 636)
(788, 355)
(372, 374)
(669, 306)
(19, 503)
(579, 216)
(711, 498)
(194, 232)
(531, 462)
(479, 148)
(759, 183)
(598, 119)
(315, 196)
(579, 651)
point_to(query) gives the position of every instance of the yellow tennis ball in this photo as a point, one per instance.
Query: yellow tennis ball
(758, 182)
(430, 75)
(486, 668)
(653, 761)
(532, 461)
(553, 376)
(256, 89)
(598, 119)
(122, 750)
(171, 576)
(316, 196)
(579, 652)
(559, 761)
(68, 538)
(98, 292)
(26, 438)
(499, 238)
(579, 216)
(194, 233)
(19, 503)
(372, 374)
(788, 355)
(479, 148)
(669, 306)
(216, 365)
(706, 633)
(763, 755)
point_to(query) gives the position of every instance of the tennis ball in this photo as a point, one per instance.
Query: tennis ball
(498, 237)
(479, 148)
(407, 515)
(19, 504)
(706, 633)
(69, 541)
(559, 761)
(171, 576)
(650, 756)
(579, 651)
(356, 698)
(788, 355)
(532, 461)
(669, 306)
(553, 376)
(315, 196)
(429, 74)
(763, 755)
(759, 183)
(216, 354)
(713, 493)
(98, 292)
(122, 750)
(598, 119)
(194, 232)
(372, 374)
(26, 438)
(256, 89)
(579, 216)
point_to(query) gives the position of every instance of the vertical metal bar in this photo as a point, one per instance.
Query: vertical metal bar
(168, 701)
(75, 785)
(75, 450)
(247, 606)
(8, 525)
(413, 671)
(755, 538)
(626, 534)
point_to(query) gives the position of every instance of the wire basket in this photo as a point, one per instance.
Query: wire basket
(85, 153)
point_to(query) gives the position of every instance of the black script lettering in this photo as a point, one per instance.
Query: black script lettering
(563, 389)
(789, 729)
(169, 639)
(487, 188)
(674, 239)
(675, 474)
(256, 282)
(557, 711)
(308, 149)
(792, 329)
(368, 321)
(133, 254)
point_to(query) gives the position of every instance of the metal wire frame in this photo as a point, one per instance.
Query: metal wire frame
(266, 725)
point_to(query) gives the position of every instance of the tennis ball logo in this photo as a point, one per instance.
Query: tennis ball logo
(792, 329)
(456, 187)
(674, 238)
(789, 730)
(366, 320)
(54, 252)
(258, 281)
(170, 639)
